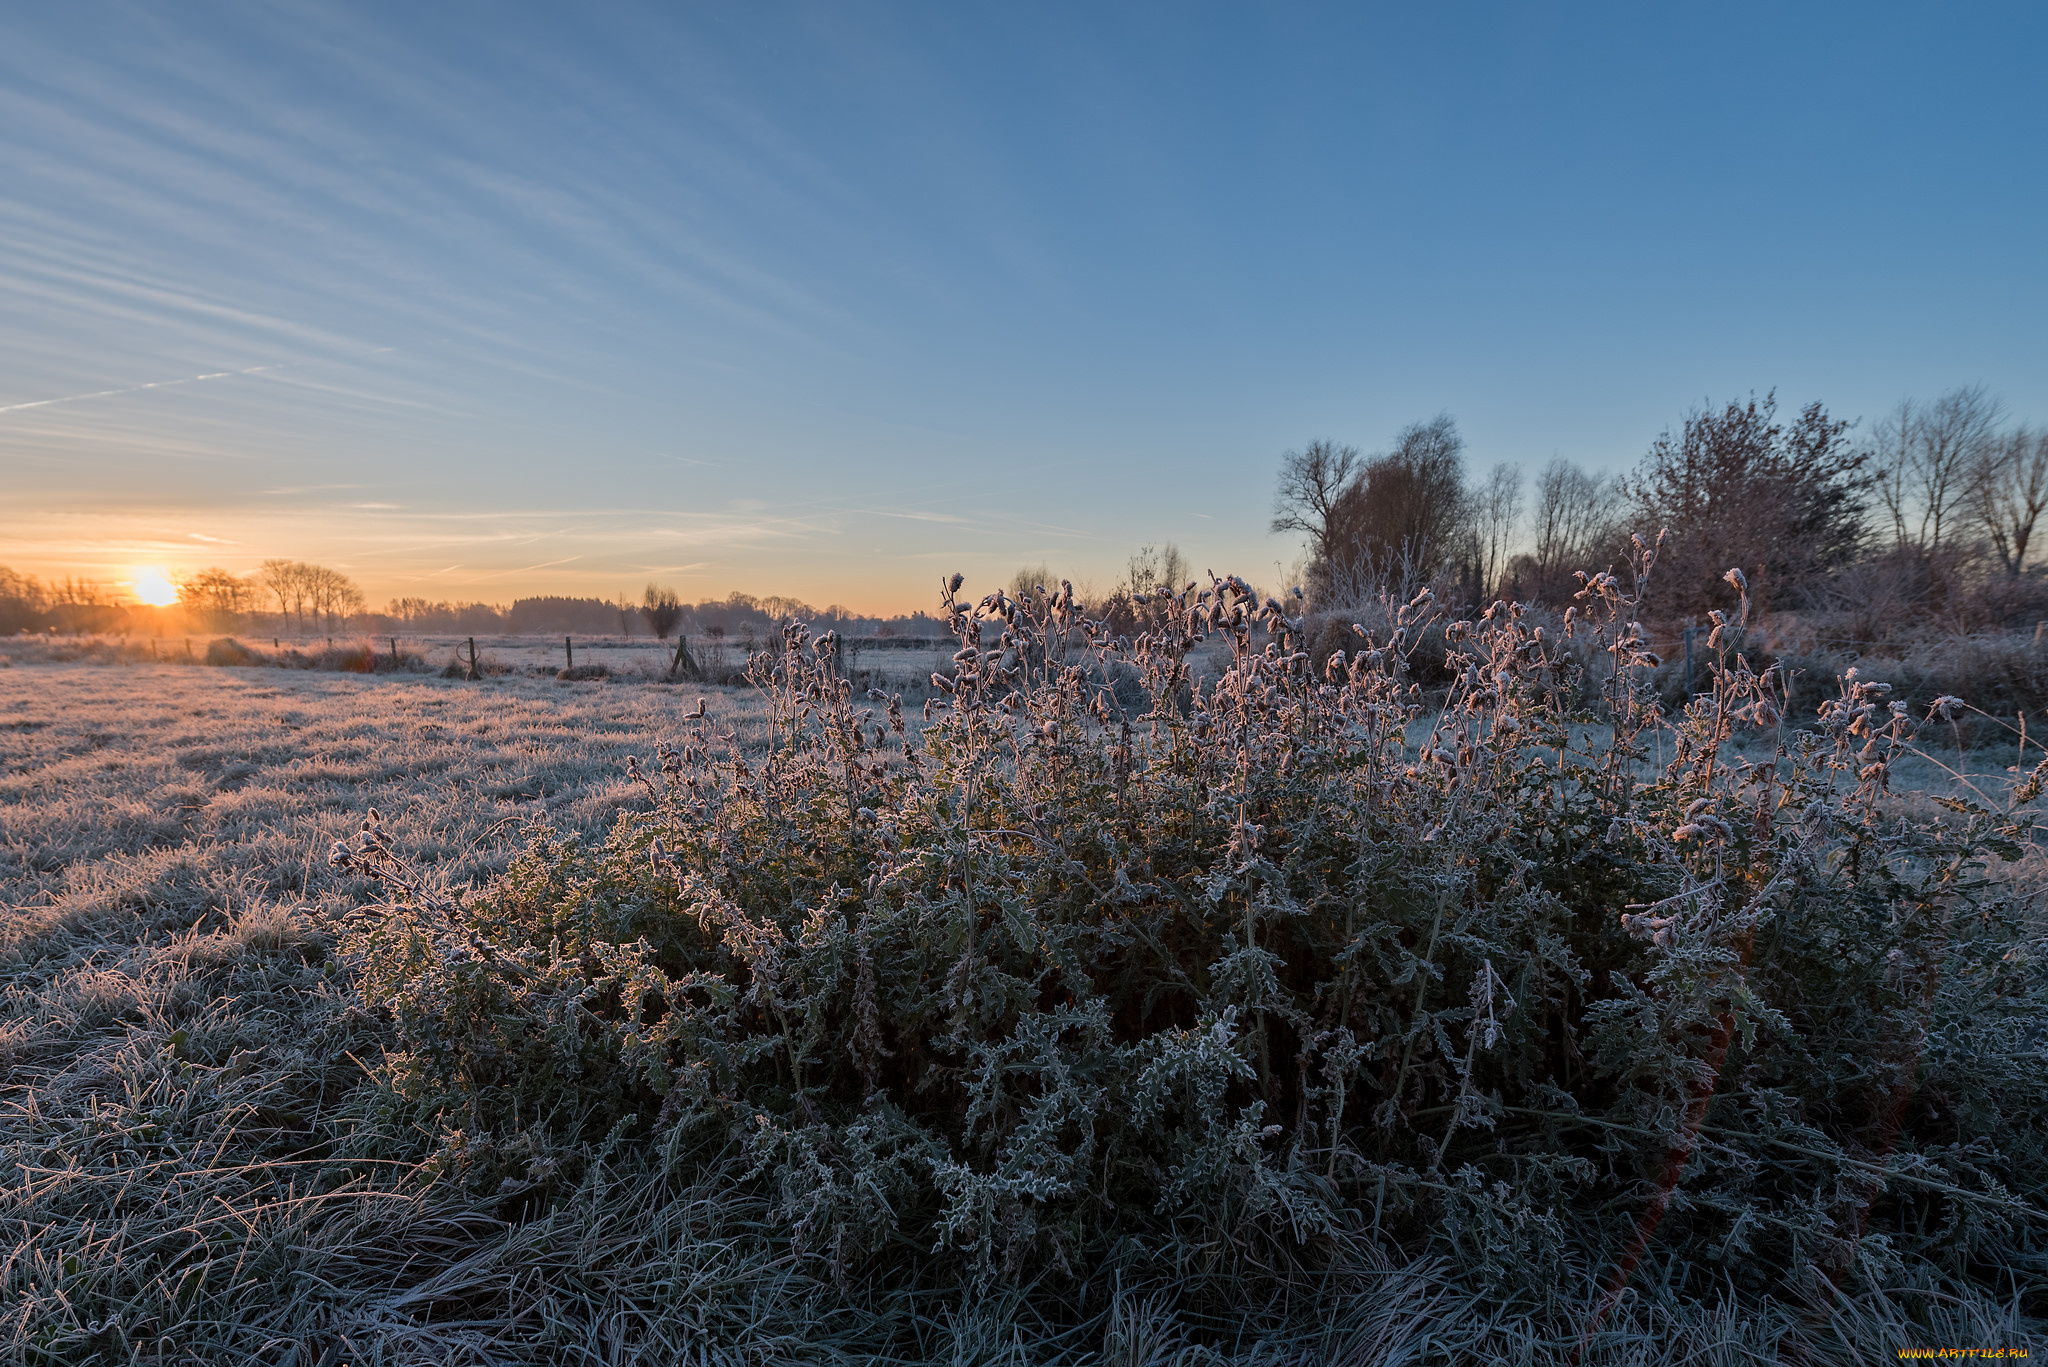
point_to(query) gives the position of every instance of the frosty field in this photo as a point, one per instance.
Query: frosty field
(192, 1168)
(163, 833)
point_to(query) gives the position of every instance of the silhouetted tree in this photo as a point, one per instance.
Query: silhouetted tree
(1737, 489)
(310, 595)
(662, 608)
(1029, 579)
(2009, 494)
(1571, 526)
(1495, 511)
(81, 605)
(1153, 571)
(216, 596)
(1402, 514)
(1407, 503)
(1925, 458)
(22, 602)
(1312, 481)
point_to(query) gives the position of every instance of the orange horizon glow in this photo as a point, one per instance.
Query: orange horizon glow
(154, 587)
(455, 560)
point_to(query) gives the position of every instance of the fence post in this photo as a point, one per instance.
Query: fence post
(569, 651)
(682, 656)
(474, 676)
(394, 651)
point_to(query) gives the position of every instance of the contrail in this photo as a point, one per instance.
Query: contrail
(135, 389)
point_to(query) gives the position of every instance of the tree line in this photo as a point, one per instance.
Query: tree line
(291, 596)
(1929, 517)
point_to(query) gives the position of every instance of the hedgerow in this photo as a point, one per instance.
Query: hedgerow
(1269, 973)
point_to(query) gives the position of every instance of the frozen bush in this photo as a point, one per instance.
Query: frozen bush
(1246, 971)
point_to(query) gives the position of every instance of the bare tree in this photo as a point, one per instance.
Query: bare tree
(1029, 578)
(310, 595)
(1574, 514)
(2010, 492)
(1926, 458)
(1311, 483)
(81, 604)
(662, 608)
(1496, 509)
(215, 595)
(410, 611)
(21, 602)
(285, 581)
(331, 596)
(1153, 571)
(1158, 569)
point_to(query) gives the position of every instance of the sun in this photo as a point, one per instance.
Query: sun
(154, 587)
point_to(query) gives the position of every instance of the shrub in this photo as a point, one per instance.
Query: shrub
(1266, 970)
(228, 651)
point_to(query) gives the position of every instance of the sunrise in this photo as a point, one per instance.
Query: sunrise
(1052, 684)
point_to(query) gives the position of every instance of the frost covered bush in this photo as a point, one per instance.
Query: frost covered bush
(1266, 968)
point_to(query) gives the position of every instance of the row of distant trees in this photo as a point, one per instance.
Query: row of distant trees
(68, 604)
(1934, 513)
(1932, 516)
(289, 595)
(296, 598)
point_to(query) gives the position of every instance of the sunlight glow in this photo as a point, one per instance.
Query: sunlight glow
(154, 587)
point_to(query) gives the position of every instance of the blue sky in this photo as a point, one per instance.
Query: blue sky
(829, 300)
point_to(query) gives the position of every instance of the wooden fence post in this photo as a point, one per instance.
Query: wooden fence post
(474, 674)
(569, 651)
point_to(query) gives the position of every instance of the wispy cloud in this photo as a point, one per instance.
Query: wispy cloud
(512, 324)
(528, 569)
(133, 389)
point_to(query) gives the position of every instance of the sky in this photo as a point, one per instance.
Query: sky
(479, 301)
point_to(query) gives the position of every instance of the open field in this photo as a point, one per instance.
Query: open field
(191, 1167)
(895, 662)
(163, 837)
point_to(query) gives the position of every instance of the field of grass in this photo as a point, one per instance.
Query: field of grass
(169, 1023)
(196, 1155)
(895, 662)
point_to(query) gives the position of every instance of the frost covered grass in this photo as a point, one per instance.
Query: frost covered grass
(1040, 1032)
(168, 1006)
